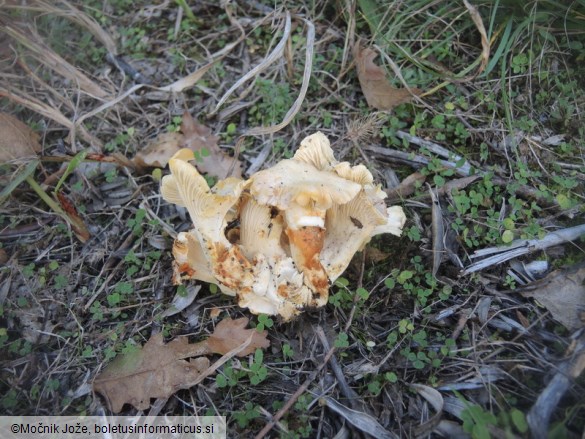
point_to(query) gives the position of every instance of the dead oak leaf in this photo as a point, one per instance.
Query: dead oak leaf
(210, 158)
(230, 334)
(158, 152)
(377, 90)
(562, 292)
(157, 370)
(17, 140)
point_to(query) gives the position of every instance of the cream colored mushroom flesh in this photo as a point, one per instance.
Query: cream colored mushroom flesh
(300, 224)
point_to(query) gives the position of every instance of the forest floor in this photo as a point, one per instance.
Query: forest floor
(471, 119)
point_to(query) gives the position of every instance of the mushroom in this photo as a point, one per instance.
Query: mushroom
(300, 223)
(351, 226)
(303, 193)
(190, 261)
(208, 210)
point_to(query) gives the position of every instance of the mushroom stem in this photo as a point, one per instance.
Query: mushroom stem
(305, 248)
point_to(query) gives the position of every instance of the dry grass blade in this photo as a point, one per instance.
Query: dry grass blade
(362, 421)
(438, 231)
(304, 87)
(30, 39)
(48, 112)
(189, 80)
(72, 13)
(485, 44)
(266, 62)
(569, 370)
(436, 400)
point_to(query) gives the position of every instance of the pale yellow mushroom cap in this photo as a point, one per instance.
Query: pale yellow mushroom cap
(292, 182)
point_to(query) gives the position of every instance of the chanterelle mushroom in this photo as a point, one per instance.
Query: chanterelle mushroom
(301, 222)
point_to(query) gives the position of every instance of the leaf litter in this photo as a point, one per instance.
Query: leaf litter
(210, 159)
(376, 88)
(394, 404)
(562, 292)
(17, 140)
(159, 369)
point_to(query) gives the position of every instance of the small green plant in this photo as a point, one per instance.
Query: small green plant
(264, 321)
(342, 341)
(121, 141)
(228, 376)
(258, 372)
(274, 103)
(244, 417)
(136, 223)
(476, 421)
(175, 125)
(287, 351)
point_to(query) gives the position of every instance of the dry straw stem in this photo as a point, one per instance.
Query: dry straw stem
(568, 371)
(72, 13)
(274, 56)
(302, 389)
(362, 421)
(435, 148)
(438, 230)
(485, 44)
(304, 87)
(415, 160)
(190, 80)
(31, 40)
(49, 112)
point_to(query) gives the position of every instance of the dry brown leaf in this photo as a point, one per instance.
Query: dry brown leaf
(77, 223)
(158, 152)
(562, 292)
(157, 370)
(230, 334)
(213, 160)
(17, 140)
(196, 137)
(376, 88)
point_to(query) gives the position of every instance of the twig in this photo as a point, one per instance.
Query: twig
(302, 389)
(522, 247)
(417, 161)
(436, 149)
(347, 391)
(362, 421)
(438, 231)
(570, 369)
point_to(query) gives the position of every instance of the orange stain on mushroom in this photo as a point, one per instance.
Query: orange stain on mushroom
(306, 245)
(231, 267)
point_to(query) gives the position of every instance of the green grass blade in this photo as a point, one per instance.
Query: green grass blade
(19, 178)
(79, 158)
(500, 50)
